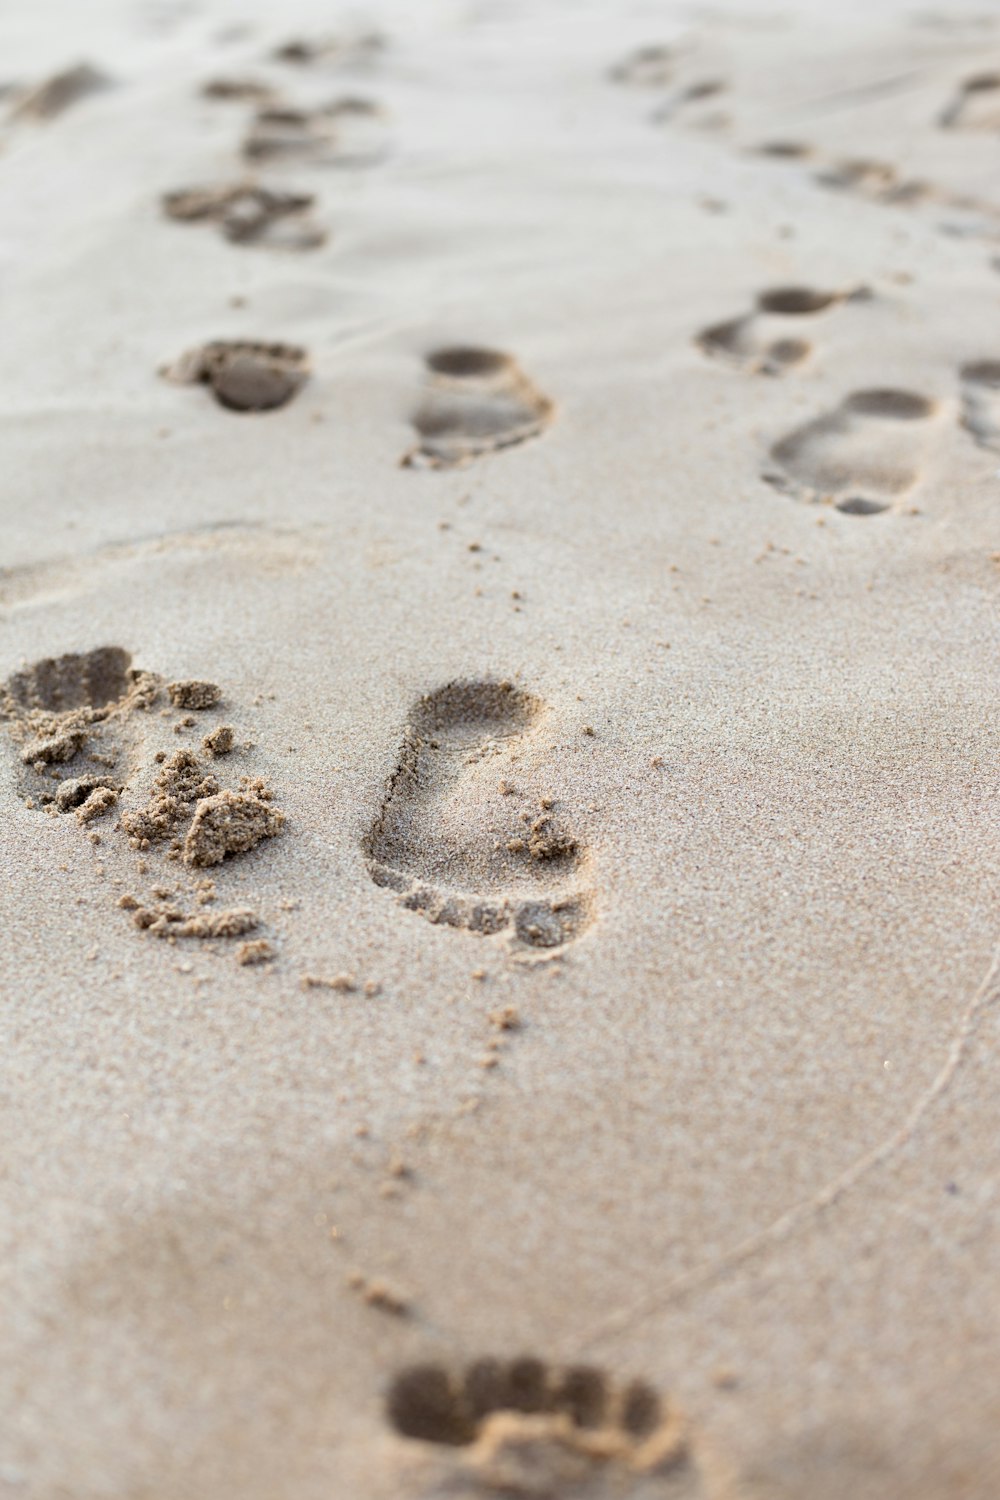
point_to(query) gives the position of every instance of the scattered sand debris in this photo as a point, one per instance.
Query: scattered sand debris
(181, 782)
(507, 1018)
(76, 789)
(260, 951)
(230, 823)
(346, 983)
(55, 749)
(169, 921)
(546, 841)
(101, 800)
(194, 693)
(379, 1293)
(220, 741)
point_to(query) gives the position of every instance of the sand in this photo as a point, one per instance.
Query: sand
(552, 643)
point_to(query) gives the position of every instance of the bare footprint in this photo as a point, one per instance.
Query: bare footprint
(768, 340)
(347, 50)
(525, 1428)
(479, 400)
(647, 67)
(460, 837)
(82, 725)
(976, 105)
(876, 180)
(862, 457)
(247, 214)
(57, 94)
(347, 132)
(981, 402)
(243, 375)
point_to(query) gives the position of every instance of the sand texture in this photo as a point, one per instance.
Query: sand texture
(498, 750)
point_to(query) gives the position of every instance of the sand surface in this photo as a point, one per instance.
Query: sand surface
(584, 954)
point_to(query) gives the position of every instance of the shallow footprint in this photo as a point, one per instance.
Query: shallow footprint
(347, 132)
(458, 836)
(651, 66)
(768, 340)
(247, 214)
(981, 402)
(479, 400)
(862, 457)
(976, 105)
(243, 375)
(523, 1427)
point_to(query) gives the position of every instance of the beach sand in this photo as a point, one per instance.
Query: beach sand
(529, 1026)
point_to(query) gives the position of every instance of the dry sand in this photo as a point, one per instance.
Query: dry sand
(533, 1031)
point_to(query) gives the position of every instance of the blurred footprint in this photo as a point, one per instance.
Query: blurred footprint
(346, 132)
(981, 402)
(862, 457)
(976, 105)
(768, 341)
(247, 214)
(479, 400)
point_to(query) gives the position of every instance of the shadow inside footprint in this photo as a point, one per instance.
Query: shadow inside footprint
(768, 340)
(479, 400)
(459, 838)
(242, 374)
(981, 402)
(861, 457)
(525, 1427)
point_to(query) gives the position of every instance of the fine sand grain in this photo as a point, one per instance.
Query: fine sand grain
(498, 921)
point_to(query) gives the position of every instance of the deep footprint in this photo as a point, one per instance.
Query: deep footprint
(523, 1427)
(981, 402)
(460, 839)
(863, 457)
(479, 400)
(243, 375)
(768, 341)
(247, 214)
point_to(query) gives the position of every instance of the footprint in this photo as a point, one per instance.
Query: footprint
(976, 106)
(646, 67)
(238, 90)
(243, 375)
(82, 725)
(525, 1428)
(343, 50)
(58, 93)
(862, 457)
(767, 341)
(877, 180)
(678, 107)
(981, 402)
(460, 838)
(348, 132)
(479, 400)
(247, 214)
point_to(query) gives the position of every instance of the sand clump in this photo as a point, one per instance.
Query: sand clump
(230, 823)
(82, 724)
